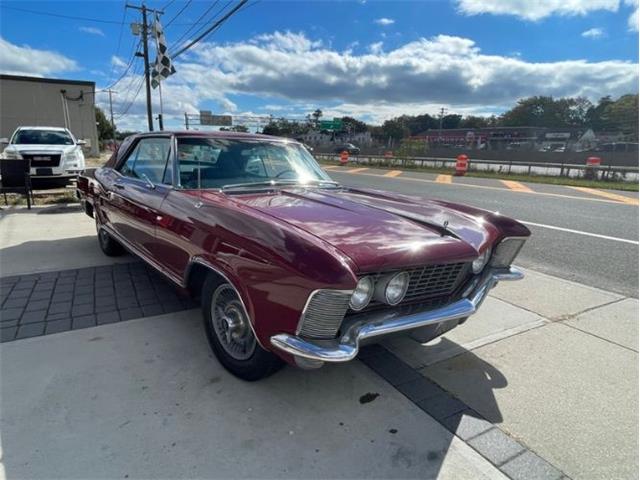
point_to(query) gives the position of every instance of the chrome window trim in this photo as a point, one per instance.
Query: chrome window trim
(495, 247)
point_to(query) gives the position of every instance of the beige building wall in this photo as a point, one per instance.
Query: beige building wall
(31, 101)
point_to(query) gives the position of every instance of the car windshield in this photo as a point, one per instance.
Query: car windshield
(225, 163)
(42, 137)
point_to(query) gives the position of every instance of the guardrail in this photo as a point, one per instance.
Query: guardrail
(604, 172)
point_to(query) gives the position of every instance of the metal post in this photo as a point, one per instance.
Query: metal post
(145, 55)
(186, 121)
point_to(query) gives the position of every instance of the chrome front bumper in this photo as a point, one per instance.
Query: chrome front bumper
(378, 324)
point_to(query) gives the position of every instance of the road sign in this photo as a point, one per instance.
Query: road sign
(334, 125)
(207, 118)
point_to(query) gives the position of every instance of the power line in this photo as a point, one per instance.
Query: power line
(213, 27)
(128, 67)
(124, 16)
(168, 5)
(50, 14)
(126, 110)
(178, 14)
(177, 42)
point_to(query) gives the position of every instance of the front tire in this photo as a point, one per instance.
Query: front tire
(229, 332)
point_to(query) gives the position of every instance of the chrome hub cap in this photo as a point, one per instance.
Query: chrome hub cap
(231, 324)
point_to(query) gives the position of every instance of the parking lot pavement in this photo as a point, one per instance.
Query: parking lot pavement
(551, 363)
(32, 241)
(145, 399)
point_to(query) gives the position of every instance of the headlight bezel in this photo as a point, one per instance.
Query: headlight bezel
(367, 298)
(478, 265)
(381, 293)
(506, 251)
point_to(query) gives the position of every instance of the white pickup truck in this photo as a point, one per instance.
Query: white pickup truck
(53, 151)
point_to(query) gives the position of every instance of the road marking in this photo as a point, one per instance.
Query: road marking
(612, 196)
(487, 187)
(356, 170)
(580, 232)
(331, 167)
(393, 173)
(516, 186)
(443, 179)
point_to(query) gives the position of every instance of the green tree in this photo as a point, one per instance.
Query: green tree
(472, 121)
(353, 125)
(105, 129)
(451, 121)
(316, 115)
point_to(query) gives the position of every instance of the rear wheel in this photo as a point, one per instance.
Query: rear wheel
(230, 335)
(108, 244)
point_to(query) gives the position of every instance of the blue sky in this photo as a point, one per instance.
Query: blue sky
(370, 59)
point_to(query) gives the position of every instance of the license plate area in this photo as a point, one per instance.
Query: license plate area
(44, 171)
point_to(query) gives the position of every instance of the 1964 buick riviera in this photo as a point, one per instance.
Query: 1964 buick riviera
(288, 264)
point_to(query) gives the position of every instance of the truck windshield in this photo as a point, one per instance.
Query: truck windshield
(219, 163)
(42, 137)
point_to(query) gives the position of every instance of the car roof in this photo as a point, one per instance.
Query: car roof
(218, 134)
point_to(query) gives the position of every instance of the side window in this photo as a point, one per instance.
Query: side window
(149, 159)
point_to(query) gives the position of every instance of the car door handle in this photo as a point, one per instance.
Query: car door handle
(119, 186)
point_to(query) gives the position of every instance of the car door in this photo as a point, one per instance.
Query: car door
(136, 191)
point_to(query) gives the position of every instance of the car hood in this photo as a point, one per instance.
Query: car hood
(54, 149)
(376, 230)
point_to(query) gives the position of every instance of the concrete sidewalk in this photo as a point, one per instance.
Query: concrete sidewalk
(554, 364)
(145, 399)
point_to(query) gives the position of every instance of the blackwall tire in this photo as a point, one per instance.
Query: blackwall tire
(230, 336)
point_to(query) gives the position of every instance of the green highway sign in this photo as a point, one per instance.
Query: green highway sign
(335, 124)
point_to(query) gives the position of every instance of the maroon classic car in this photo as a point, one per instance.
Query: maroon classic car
(288, 264)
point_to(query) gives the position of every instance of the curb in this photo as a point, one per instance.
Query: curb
(511, 457)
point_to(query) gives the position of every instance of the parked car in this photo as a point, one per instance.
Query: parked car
(349, 147)
(288, 264)
(53, 151)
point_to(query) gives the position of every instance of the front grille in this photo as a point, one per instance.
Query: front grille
(324, 314)
(43, 159)
(435, 280)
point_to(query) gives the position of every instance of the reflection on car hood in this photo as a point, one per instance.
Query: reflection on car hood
(375, 230)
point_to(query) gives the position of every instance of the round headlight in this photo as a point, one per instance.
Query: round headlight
(479, 263)
(361, 296)
(396, 288)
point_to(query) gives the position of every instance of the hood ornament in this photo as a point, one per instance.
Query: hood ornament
(444, 227)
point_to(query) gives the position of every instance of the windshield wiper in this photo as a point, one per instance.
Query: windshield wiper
(267, 183)
(276, 183)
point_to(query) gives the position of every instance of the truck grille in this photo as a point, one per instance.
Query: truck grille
(43, 159)
(323, 314)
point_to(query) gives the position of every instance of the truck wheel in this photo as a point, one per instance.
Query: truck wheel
(229, 332)
(109, 246)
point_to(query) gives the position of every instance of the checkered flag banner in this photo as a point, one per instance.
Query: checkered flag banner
(163, 67)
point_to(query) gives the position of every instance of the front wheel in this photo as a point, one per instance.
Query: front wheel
(230, 335)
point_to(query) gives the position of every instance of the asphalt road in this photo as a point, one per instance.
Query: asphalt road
(600, 251)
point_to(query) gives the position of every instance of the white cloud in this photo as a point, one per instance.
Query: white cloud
(535, 9)
(634, 18)
(24, 60)
(376, 48)
(92, 31)
(384, 21)
(420, 76)
(593, 33)
(118, 62)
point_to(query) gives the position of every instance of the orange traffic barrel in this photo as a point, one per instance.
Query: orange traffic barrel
(344, 157)
(462, 165)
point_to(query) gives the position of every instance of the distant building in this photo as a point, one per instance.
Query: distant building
(318, 138)
(48, 102)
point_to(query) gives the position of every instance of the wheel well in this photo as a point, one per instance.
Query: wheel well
(197, 275)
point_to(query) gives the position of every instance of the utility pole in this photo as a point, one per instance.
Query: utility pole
(186, 121)
(442, 112)
(113, 125)
(145, 55)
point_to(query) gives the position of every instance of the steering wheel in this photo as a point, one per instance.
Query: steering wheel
(283, 172)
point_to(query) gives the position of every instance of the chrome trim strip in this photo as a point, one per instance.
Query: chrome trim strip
(206, 264)
(135, 251)
(378, 324)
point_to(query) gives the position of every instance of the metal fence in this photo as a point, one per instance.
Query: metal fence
(607, 172)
